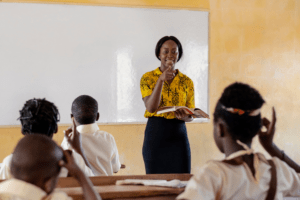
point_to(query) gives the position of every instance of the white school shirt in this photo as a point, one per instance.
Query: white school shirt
(5, 172)
(218, 180)
(14, 189)
(100, 149)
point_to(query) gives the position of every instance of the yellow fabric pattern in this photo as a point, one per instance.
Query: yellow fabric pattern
(179, 93)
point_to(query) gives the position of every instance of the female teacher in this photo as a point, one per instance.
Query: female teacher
(166, 147)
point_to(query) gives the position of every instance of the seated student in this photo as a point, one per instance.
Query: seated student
(266, 140)
(39, 116)
(35, 166)
(243, 174)
(99, 146)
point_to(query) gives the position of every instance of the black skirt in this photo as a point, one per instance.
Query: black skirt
(166, 148)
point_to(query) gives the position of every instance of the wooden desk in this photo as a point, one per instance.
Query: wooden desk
(105, 186)
(131, 192)
(111, 180)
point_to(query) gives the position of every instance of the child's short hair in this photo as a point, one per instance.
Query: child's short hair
(85, 109)
(239, 107)
(36, 157)
(39, 116)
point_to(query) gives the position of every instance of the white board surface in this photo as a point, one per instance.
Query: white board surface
(59, 52)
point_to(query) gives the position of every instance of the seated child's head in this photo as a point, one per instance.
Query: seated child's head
(85, 110)
(39, 116)
(238, 114)
(36, 160)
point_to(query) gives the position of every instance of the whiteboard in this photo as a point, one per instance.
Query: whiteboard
(59, 52)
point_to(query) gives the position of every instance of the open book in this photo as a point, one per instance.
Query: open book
(198, 113)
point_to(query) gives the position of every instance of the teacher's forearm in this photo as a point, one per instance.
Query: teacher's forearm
(152, 102)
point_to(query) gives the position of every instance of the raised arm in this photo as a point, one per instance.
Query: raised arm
(266, 140)
(88, 191)
(75, 141)
(152, 101)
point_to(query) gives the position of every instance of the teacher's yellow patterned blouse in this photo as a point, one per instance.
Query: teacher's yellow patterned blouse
(179, 93)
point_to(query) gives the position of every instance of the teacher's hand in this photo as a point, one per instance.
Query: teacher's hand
(180, 114)
(168, 74)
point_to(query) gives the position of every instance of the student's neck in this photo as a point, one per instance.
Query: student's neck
(231, 146)
(85, 124)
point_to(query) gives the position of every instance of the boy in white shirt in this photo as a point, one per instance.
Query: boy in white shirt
(99, 146)
(35, 166)
(243, 174)
(39, 116)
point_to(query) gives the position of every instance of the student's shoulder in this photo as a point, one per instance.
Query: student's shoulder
(7, 160)
(104, 135)
(212, 168)
(5, 167)
(281, 166)
(58, 195)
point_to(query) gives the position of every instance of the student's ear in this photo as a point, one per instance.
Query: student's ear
(22, 131)
(221, 130)
(56, 130)
(218, 129)
(98, 116)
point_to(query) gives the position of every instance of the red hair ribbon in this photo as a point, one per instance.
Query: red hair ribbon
(238, 111)
(241, 112)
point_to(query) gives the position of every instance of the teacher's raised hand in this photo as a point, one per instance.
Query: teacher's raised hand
(168, 74)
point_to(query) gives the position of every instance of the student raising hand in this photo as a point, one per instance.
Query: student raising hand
(74, 139)
(266, 140)
(266, 137)
(88, 191)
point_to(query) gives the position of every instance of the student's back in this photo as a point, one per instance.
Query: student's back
(243, 174)
(35, 166)
(219, 180)
(99, 146)
(39, 116)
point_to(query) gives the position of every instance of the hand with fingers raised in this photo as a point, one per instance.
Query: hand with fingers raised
(74, 137)
(266, 137)
(167, 75)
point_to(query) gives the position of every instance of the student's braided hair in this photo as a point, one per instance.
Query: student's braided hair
(39, 116)
(243, 97)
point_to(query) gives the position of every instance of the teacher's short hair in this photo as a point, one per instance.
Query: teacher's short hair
(163, 40)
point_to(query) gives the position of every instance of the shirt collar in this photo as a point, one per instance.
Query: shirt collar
(248, 151)
(22, 189)
(157, 71)
(87, 128)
